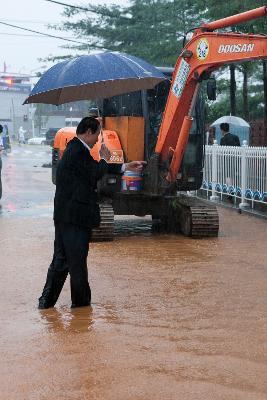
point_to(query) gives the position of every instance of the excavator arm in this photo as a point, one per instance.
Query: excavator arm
(204, 53)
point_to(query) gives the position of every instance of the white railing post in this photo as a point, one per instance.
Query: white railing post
(243, 174)
(214, 178)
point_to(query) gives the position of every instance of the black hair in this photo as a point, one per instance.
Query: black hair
(87, 123)
(1, 128)
(224, 127)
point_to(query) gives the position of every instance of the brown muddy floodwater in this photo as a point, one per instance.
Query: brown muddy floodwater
(172, 318)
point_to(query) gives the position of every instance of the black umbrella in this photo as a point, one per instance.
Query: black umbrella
(94, 76)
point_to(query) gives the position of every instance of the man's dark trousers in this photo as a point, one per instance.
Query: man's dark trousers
(71, 248)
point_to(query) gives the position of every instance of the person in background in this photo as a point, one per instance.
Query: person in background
(76, 213)
(228, 139)
(21, 135)
(6, 139)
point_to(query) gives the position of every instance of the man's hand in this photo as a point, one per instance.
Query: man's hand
(135, 166)
(104, 152)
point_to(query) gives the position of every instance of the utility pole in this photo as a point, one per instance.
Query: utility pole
(13, 120)
(70, 116)
(32, 113)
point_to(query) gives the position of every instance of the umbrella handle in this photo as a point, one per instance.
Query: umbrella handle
(102, 136)
(101, 131)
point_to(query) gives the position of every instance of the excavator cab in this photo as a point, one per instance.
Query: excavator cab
(149, 105)
(190, 175)
(211, 88)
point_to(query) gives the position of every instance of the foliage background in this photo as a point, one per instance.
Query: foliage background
(154, 30)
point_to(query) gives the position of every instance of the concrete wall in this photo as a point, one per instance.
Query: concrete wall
(12, 111)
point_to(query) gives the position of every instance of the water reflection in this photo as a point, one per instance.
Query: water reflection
(65, 319)
(78, 319)
(106, 313)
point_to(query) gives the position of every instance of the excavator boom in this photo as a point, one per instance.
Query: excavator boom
(235, 19)
(204, 53)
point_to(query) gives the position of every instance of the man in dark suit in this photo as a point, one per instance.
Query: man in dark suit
(76, 213)
(228, 139)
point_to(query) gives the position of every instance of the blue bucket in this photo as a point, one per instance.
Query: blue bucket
(131, 181)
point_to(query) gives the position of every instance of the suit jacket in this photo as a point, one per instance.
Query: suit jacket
(77, 175)
(230, 140)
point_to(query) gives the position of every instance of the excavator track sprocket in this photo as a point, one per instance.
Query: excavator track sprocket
(105, 232)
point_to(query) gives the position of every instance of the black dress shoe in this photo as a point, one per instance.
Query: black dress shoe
(43, 306)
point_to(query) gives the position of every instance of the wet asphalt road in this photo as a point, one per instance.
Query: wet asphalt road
(171, 318)
(27, 189)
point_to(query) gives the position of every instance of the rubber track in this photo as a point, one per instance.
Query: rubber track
(196, 217)
(105, 232)
(205, 221)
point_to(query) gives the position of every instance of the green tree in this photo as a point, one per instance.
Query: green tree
(216, 10)
(151, 29)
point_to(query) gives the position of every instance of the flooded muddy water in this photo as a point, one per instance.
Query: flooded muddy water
(171, 317)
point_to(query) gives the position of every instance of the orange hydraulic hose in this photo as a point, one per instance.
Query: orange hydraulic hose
(236, 19)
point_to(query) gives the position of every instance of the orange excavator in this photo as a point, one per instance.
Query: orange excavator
(174, 147)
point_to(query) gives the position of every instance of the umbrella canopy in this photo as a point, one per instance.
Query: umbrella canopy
(238, 126)
(94, 76)
(232, 120)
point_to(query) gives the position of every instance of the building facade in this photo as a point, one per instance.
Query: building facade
(35, 119)
(14, 88)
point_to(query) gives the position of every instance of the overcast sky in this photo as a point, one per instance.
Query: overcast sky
(20, 49)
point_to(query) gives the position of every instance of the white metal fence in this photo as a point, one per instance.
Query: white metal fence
(239, 173)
